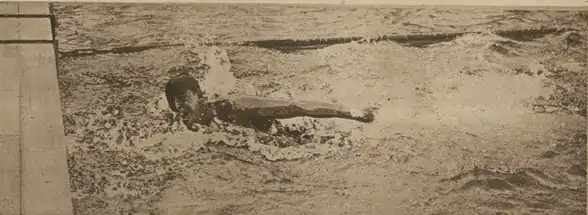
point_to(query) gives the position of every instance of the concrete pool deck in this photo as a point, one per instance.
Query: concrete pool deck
(34, 176)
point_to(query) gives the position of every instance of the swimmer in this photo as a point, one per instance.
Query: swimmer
(185, 97)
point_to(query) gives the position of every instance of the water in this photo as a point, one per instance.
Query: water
(460, 129)
(104, 25)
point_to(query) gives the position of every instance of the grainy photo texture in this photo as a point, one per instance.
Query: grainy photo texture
(302, 109)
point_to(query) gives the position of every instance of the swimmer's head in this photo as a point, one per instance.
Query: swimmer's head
(187, 99)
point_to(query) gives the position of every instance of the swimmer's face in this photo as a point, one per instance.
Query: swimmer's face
(197, 112)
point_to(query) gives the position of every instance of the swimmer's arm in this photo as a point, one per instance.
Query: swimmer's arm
(251, 102)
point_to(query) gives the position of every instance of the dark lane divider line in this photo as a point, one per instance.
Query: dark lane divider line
(290, 45)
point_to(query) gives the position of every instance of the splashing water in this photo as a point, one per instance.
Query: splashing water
(219, 79)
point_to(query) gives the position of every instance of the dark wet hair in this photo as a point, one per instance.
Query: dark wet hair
(178, 86)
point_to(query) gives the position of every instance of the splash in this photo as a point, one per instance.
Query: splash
(218, 80)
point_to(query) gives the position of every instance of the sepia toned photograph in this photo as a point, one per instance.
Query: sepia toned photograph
(193, 108)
